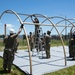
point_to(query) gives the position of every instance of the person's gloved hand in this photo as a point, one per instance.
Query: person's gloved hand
(22, 25)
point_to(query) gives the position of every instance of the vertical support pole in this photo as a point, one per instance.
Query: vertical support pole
(30, 58)
(65, 28)
(5, 29)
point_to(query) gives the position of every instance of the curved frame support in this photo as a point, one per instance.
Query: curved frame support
(46, 18)
(61, 41)
(28, 49)
(10, 11)
(57, 32)
(68, 24)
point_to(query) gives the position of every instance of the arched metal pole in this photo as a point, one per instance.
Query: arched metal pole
(67, 26)
(13, 13)
(61, 37)
(61, 40)
(60, 21)
(10, 11)
(28, 50)
(58, 34)
(71, 29)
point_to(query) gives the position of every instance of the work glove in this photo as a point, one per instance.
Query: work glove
(21, 26)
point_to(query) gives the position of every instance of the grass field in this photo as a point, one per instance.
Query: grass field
(15, 70)
(66, 71)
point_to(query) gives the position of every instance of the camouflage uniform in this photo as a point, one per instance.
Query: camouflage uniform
(16, 43)
(8, 55)
(44, 41)
(48, 39)
(71, 43)
(36, 39)
(31, 41)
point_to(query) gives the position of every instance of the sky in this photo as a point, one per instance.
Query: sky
(45, 7)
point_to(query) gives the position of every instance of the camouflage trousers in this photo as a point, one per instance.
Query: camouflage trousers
(70, 51)
(48, 50)
(8, 57)
(31, 46)
(71, 46)
(73, 51)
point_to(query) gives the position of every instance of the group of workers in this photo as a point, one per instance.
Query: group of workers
(44, 43)
(40, 42)
(11, 44)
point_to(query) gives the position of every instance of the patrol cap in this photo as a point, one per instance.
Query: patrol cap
(48, 32)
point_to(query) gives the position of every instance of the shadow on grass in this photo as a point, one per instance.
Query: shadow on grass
(2, 72)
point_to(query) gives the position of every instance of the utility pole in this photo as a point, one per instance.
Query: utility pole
(5, 29)
(65, 28)
(65, 33)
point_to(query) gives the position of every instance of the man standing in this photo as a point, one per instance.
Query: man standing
(48, 39)
(8, 55)
(31, 41)
(71, 43)
(37, 32)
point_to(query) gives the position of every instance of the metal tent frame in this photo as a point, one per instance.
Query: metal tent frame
(41, 24)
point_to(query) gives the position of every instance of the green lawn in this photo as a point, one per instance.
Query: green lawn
(66, 71)
(15, 70)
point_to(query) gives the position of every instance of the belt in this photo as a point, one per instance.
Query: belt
(8, 49)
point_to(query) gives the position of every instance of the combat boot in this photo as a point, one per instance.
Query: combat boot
(73, 58)
(5, 71)
(9, 71)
